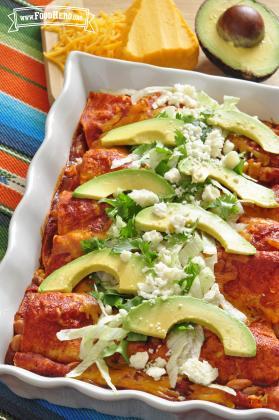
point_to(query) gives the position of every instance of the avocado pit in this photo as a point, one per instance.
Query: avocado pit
(242, 25)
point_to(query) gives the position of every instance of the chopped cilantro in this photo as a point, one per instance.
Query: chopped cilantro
(145, 248)
(162, 114)
(240, 167)
(114, 299)
(183, 326)
(162, 167)
(191, 189)
(92, 244)
(128, 231)
(131, 303)
(123, 206)
(136, 337)
(204, 115)
(185, 118)
(181, 237)
(225, 206)
(192, 270)
(179, 138)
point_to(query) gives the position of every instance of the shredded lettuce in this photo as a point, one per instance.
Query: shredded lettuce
(192, 248)
(98, 341)
(183, 345)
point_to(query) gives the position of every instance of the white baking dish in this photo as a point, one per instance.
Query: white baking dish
(85, 72)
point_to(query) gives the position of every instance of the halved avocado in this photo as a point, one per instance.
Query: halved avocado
(206, 221)
(67, 277)
(125, 179)
(148, 131)
(245, 188)
(254, 63)
(240, 123)
(154, 318)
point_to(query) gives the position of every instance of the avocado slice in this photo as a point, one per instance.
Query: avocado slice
(148, 131)
(155, 317)
(245, 188)
(125, 179)
(67, 277)
(255, 63)
(240, 123)
(206, 221)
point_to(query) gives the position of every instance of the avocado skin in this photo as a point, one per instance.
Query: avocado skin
(238, 74)
(230, 71)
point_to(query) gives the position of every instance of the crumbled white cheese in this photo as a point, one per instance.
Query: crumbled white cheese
(192, 132)
(159, 362)
(167, 274)
(115, 227)
(231, 160)
(173, 176)
(155, 372)
(177, 95)
(199, 372)
(198, 150)
(116, 163)
(160, 210)
(125, 256)
(162, 282)
(152, 236)
(215, 140)
(139, 360)
(180, 219)
(199, 174)
(210, 193)
(228, 147)
(144, 198)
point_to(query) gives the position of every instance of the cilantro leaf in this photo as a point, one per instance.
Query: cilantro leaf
(225, 206)
(92, 244)
(185, 118)
(179, 138)
(162, 114)
(145, 248)
(176, 238)
(128, 231)
(240, 167)
(131, 303)
(192, 270)
(123, 206)
(162, 167)
(205, 115)
(191, 189)
(136, 337)
(183, 326)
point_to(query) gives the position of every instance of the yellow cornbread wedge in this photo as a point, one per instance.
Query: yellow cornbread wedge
(159, 35)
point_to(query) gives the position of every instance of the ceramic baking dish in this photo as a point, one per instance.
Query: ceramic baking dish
(85, 72)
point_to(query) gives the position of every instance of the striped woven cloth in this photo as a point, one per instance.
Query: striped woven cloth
(23, 108)
(23, 104)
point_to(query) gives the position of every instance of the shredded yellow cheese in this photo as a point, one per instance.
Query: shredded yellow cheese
(105, 39)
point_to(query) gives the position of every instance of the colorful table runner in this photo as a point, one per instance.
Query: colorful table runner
(23, 109)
